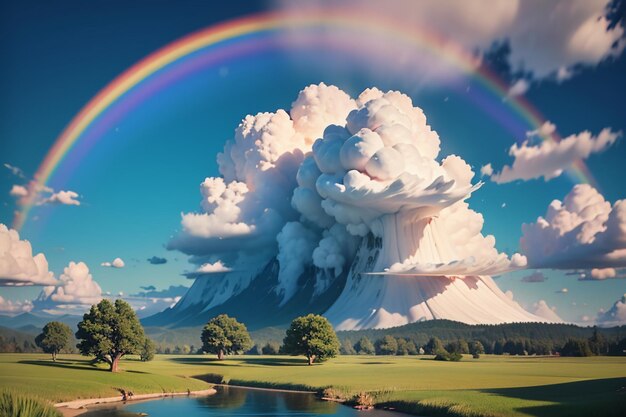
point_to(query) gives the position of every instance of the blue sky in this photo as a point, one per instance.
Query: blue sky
(142, 174)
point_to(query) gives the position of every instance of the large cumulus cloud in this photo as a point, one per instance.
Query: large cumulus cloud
(305, 186)
(75, 291)
(582, 231)
(18, 266)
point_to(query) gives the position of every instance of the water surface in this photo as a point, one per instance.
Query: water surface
(232, 401)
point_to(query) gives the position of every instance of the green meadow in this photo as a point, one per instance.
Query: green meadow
(489, 386)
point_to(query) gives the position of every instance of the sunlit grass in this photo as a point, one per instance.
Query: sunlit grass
(489, 386)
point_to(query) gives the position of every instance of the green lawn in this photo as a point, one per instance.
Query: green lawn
(489, 386)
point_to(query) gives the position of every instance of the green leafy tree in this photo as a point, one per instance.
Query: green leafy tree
(224, 335)
(434, 346)
(476, 348)
(271, 348)
(364, 347)
(388, 345)
(311, 336)
(576, 347)
(147, 350)
(109, 331)
(54, 338)
(347, 348)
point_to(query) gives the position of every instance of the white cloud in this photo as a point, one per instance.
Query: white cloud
(603, 273)
(549, 159)
(18, 191)
(564, 74)
(519, 87)
(486, 170)
(615, 316)
(75, 291)
(209, 268)
(562, 291)
(68, 198)
(583, 231)
(542, 309)
(547, 38)
(546, 129)
(295, 251)
(18, 266)
(14, 307)
(116, 263)
(15, 170)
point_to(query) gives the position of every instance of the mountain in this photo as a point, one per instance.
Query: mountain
(34, 322)
(251, 299)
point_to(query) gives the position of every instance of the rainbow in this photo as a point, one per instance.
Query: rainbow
(243, 36)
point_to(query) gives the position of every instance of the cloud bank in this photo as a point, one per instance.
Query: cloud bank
(583, 231)
(75, 291)
(549, 159)
(18, 266)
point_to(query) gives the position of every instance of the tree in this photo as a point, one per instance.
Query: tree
(147, 350)
(458, 346)
(364, 346)
(224, 335)
(576, 347)
(598, 343)
(347, 348)
(476, 348)
(110, 331)
(434, 346)
(54, 338)
(311, 336)
(270, 348)
(388, 345)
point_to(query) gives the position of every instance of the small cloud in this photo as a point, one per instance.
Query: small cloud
(519, 88)
(535, 277)
(503, 205)
(18, 191)
(509, 294)
(15, 170)
(117, 263)
(543, 310)
(155, 260)
(563, 74)
(486, 170)
(208, 269)
(603, 273)
(14, 307)
(67, 198)
(148, 288)
(546, 129)
(562, 291)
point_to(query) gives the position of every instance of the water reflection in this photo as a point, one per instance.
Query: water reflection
(232, 401)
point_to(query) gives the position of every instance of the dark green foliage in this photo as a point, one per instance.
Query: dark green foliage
(406, 347)
(458, 346)
(271, 348)
(54, 338)
(388, 345)
(147, 350)
(311, 336)
(110, 331)
(598, 343)
(433, 346)
(347, 348)
(476, 348)
(17, 405)
(364, 346)
(224, 335)
(576, 347)
(445, 356)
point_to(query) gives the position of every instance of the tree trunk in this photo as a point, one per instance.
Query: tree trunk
(311, 359)
(54, 356)
(220, 354)
(114, 362)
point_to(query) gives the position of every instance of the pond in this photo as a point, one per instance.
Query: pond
(233, 401)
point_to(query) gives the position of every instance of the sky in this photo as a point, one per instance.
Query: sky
(140, 165)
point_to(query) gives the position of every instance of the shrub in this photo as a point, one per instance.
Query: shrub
(443, 355)
(17, 405)
(363, 400)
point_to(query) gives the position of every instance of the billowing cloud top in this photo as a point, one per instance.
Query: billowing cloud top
(582, 231)
(303, 187)
(18, 266)
(76, 290)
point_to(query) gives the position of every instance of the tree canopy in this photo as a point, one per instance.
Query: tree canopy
(224, 335)
(54, 338)
(311, 336)
(110, 331)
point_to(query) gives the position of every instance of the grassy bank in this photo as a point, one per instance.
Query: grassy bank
(489, 386)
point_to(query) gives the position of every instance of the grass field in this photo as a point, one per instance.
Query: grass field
(489, 386)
